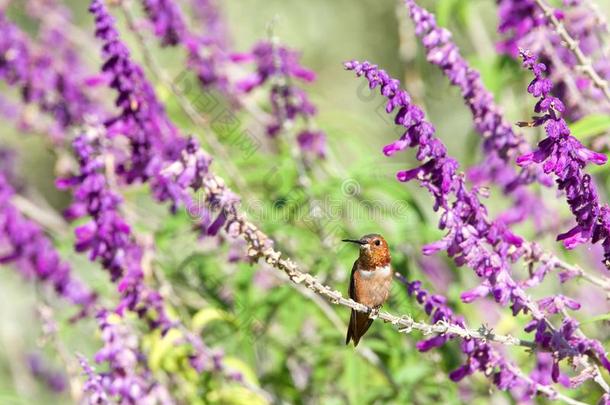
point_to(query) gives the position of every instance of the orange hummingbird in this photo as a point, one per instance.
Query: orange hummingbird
(369, 283)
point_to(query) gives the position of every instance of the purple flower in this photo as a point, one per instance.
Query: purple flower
(106, 235)
(93, 388)
(213, 24)
(566, 342)
(42, 79)
(128, 378)
(208, 57)
(564, 156)
(523, 25)
(271, 60)
(517, 19)
(157, 154)
(280, 66)
(557, 303)
(501, 144)
(313, 142)
(153, 138)
(167, 19)
(142, 118)
(480, 356)
(544, 369)
(173, 182)
(207, 52)
(55, 380)
(24, 245)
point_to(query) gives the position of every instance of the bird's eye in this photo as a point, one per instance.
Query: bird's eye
(377, 242)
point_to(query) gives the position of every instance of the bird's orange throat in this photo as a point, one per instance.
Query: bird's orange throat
(374, 261)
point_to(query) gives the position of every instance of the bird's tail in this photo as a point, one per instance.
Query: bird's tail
(359, 323)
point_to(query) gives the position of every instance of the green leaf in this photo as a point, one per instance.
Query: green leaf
(207, 315)
(590, 125)
(161, 348)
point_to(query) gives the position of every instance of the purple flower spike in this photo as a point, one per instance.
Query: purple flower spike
(128, 379)
(43, 79)
(106, 235)
(280, 65)
(167, 20)
(272, 60)
(24, 245)
(55, 380)
(523, 24)
(564, 156)
(501, 144)
(480, 355)
(142, 118)
(93, 387)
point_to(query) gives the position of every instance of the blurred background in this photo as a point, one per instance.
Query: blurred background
(283, 339)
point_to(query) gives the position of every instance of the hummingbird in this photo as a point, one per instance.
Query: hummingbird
(369, 283)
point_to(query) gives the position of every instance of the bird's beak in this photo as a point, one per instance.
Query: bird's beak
(353, 241)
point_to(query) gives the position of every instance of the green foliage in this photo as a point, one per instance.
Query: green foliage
(590, 125)
(282, 340)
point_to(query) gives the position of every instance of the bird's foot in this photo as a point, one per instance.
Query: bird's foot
(374, 312)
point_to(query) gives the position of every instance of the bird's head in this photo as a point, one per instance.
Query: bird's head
(374, 251)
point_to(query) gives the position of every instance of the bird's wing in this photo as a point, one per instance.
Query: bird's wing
(352, 286)
(359, 323)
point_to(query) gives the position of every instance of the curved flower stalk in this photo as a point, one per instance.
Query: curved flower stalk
(501, 144)
(567, 41)
(564, 156)
(487, 247)
(480, 355)
(42, 80)
(23, 245)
